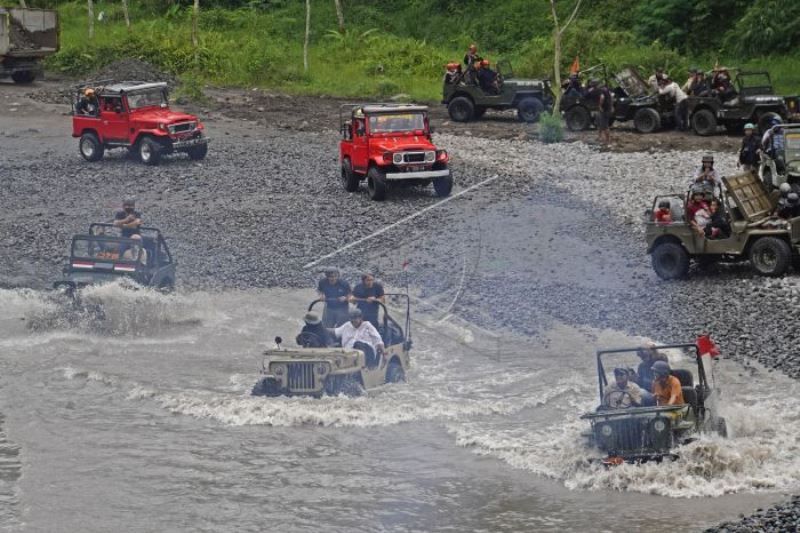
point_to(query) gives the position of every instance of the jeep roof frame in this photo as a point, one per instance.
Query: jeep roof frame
(346, 111)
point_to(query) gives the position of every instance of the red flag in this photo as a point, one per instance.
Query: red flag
(575, 67)
(705, 346)
(406, 263)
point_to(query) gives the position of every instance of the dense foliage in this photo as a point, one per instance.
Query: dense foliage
(401, 45)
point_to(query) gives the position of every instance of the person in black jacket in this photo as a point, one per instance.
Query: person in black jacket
(718, 227)
(748, 153)
(314, 334)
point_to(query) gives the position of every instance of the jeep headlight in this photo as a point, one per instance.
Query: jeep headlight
(606, 430)
(659, 425)
(162, 126)
(278, 369)
(430, 156)
(322, 368)
(397, 159)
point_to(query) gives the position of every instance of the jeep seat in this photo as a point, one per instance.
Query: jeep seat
(684, 376)
(689, 396)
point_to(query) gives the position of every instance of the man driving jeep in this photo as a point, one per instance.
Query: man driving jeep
(622, 393)
(314, 334)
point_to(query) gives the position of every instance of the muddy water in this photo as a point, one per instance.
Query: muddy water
(147, 424)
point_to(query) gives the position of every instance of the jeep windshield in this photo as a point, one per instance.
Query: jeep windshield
(147, 98)
(397, 123)
(104, 249)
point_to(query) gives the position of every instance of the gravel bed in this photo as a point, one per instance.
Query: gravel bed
(556, 237)
(780, 519)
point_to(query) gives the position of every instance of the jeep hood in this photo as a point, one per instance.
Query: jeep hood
(161, 116)
(402, 143)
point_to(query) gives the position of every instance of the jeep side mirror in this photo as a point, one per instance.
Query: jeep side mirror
(278, 341)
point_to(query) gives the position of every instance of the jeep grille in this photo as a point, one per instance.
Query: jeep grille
(630, 435)
(182, 127)
(414, 157)
(301, 376)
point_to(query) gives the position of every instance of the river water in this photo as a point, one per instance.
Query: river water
(145, 423)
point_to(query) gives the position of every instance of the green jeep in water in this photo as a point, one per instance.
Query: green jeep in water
(768, 242)
(466, 100)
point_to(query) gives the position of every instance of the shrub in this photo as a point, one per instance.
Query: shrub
(550, 128)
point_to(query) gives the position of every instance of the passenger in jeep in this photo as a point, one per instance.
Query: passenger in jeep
(88, 104)
(695, 203)
(706, 178)
(648, 355)
(128, 219)
(487, 79)
(663, 215)
(133, 251)
(666, 387)
(718, 226)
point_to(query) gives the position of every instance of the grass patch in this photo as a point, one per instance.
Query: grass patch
(551, 130)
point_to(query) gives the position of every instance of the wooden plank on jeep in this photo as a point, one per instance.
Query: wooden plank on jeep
(750, 196)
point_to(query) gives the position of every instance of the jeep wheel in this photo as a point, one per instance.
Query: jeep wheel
(770, 256)
(765, 121)
(196, 153)
(23, 76)
(376, 184)
(577, 118)
(461, 109)
(349, 180)
(90, 147)
(395, 373)
(443, 186)
(647, 120)
(149, 151)
(670, 260)
(704, 122)
(529, 109)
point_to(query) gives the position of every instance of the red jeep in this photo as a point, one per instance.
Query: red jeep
(135, 116)
(390, 143)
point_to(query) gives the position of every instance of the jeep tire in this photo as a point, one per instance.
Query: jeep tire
(349, 180)
(529, 109)
(394, 373)
(23, 76)
(196, 153)
(443, 186)
(770, 256)
(461, 109)
(376, 184)
(149, 151)
(577, 118)
(670, 260)
(704, 122)
(90, 147)
(647, 120)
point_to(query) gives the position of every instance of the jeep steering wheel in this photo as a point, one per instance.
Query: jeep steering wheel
(619, 399)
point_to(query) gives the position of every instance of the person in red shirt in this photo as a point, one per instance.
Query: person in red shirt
(666, 387)
(663, 214)
(695, 204)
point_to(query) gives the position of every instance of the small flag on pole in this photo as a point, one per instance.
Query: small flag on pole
(705, 346)
(575, 67)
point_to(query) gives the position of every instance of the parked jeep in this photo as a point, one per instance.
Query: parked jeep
(135, 116)
(633, 100)
(465, 100)
(103, 255)
(783, 167)
(627, 432)
(770, 243)
(390, 144)
(308, 370)
(755, 102)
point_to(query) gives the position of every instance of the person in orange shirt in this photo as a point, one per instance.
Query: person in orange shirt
(666, 388)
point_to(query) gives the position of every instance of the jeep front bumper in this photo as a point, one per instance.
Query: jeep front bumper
(189, 143)
(417, 175)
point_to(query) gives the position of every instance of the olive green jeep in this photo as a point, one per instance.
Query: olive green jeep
(768, 242)
(465, 100)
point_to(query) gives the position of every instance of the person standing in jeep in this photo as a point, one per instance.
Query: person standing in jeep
(336, 293)
(128, 219)
(669, 88)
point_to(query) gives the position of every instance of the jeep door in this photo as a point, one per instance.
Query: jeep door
(360, 146)
(114, 120)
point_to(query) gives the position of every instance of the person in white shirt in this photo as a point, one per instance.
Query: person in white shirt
(358, 332)
(672, 90)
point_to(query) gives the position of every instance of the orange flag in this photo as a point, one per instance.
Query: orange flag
(575, 67)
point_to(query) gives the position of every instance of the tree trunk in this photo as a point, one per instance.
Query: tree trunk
(308, 31)
(556, 59)
(91, 19)
(127, 15)
(195, 17)
(23, 4)
(339, 14)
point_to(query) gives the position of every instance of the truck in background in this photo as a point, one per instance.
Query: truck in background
(26, 37)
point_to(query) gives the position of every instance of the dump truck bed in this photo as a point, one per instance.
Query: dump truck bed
(28, 32)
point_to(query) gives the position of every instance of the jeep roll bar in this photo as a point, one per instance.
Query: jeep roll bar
(601, 374)
(386, 316)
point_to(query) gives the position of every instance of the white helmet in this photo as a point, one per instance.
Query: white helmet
(785, 188)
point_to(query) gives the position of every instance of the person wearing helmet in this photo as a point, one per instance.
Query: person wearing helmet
(663, 215)
(648, 354)
(128, 219)
(706, 178)
(748, 153)
(472, 61)
(361, 335)
(783, 209)
(666, 387)
(696, 202)
(88, 104)
(487, 78)
(573, 86)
